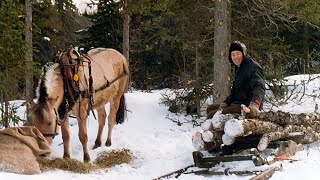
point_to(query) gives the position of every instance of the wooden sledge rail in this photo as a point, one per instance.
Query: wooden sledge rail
(260, 174)
(207, 162)
(227, 172)
(266, 174)
(175, 173)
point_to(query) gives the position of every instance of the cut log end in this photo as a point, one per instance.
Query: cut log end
(263, 143)
(207, 136)
(234, 128)
(207, 125)
(197, 141)
(227, 140)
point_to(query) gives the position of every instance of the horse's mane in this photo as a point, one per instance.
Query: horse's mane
(48, 81)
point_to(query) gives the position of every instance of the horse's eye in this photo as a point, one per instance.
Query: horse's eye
(49, 124)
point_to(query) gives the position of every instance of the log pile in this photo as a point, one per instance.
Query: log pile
(271, 126)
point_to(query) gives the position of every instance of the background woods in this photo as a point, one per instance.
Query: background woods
(171, 42)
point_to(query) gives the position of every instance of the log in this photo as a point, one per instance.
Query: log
(201, 145)
(198, 142)
(268, 137)
(228, 140)
(284, 118)
(207, 136)
(236, 128)
(217, 122)
(266, 174)
(270, 126)
(310, 135)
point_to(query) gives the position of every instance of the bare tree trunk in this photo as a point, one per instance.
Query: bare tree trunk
(6, 112)
(126, 35)
(197, 100)
(222, 37)
(306, 65)
(28, 53)
(2, 108)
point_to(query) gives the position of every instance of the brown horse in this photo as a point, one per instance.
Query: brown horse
(77, 84)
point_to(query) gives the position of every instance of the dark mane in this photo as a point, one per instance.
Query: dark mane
(42, 87)
(42, 91)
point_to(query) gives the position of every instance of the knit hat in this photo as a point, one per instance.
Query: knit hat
(237, 46)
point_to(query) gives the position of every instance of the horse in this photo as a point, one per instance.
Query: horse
(75, 84)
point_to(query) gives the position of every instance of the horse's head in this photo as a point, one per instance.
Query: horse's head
(44, 117)
(43, 113)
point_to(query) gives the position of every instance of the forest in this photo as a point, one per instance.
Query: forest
(168, 43)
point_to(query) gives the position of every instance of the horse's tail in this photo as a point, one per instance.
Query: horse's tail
(121, 113)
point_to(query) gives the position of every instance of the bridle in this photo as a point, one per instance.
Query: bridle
(54, 134)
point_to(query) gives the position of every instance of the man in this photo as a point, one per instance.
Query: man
(248, 86)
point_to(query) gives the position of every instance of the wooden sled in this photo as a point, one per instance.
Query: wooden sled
(281, 148)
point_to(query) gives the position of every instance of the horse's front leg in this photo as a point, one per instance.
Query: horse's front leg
(83, 135)
(112, 120)
(65, 137)
(102, 120)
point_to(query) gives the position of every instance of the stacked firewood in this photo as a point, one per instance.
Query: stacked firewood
(271, 126)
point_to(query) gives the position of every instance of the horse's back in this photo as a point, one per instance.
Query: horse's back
(106, 65)
(108, 56)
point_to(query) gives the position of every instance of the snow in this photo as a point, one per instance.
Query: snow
(160, 146)
(82, 5)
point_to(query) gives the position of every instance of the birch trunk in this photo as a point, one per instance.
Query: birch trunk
(235, 127)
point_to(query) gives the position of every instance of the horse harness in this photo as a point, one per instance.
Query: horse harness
(69, 71)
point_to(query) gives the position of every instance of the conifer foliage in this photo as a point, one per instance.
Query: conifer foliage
(11, 56)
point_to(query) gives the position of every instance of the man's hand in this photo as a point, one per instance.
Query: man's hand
(223, 105)
(254, 110)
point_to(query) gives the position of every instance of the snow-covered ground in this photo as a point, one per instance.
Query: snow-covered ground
(160, 146)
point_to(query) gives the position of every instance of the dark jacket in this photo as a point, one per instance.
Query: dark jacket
(248, 85)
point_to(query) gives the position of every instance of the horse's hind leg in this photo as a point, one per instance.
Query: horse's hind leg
(102, 120)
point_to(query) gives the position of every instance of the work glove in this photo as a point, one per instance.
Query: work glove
(223, 105)
(254, 109)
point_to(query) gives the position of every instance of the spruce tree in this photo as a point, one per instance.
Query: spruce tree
(106, 30)
(11, 56)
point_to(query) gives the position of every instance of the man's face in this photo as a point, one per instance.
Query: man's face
(237, 57)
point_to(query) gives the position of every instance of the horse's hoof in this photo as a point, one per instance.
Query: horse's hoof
(96, 146)
(86, 158)
(66, 156)
(108, 143)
